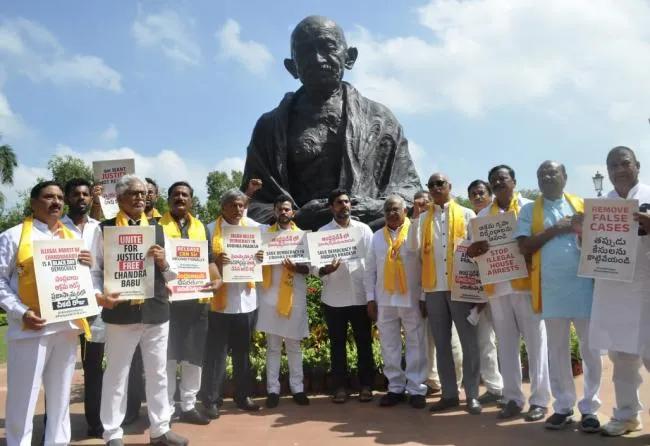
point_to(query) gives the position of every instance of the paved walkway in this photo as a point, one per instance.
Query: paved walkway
(354, 423)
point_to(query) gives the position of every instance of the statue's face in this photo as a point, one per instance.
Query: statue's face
(319, 53)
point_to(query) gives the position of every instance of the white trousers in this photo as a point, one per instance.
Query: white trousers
(121, 341)
(627, 381)
(456, 351)
(189, 386)
(488, 351)
(47, 360)
(513, 317)
(559, 365)
(294, 358)
(390, 321)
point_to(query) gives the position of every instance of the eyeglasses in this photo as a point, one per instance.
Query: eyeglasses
(136, 193)
(437, 183)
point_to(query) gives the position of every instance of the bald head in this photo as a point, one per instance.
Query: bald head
(439, 188)
(312, 25)
(551, 179)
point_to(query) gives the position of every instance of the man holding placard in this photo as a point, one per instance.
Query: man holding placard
(393, 292)
(620, 315)
(547, 231)
(231, 320)
(434, 235)
(188, 320)
(344, 301)
(283, 309)
(131, 263)
(512, 312)
(40, 351)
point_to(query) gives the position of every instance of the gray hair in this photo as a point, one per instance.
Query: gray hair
(232, 195)
(394, 199)
(124, 183)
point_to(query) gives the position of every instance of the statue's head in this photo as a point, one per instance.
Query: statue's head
(319, 53)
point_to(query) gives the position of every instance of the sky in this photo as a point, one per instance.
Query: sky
(179, 85)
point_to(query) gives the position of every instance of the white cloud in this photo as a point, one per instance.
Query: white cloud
(254, 56)
(110, 134)
(29, 49)
(11, 124)
(482, 55)
(231, 163)
(171, 34)
(24, 179)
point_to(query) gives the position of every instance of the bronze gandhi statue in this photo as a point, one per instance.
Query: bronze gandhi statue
(326, 136)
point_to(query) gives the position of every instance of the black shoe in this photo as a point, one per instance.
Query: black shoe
(510, 410)
(170, 438)
(272, 400)
(473, 406)
(444, 404)
(391, 399)
(130, 418)
(247, 404)
(535, 413)
(559, 421)
(96, 432)
(489, 398)
(211, 411)
(418, 401)
(589, 423)
(431, 390)
(301, 399)
(193, 416)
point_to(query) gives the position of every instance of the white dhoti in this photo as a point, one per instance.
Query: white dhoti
(189, 386)
(488, 351)
(432, 366)
(561, 376)
(513, 317)
(294, 358)
(627, 381)
(390, 321)
(47, 360)
(121, 341)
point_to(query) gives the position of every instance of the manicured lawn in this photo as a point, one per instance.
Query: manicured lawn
(3, 344)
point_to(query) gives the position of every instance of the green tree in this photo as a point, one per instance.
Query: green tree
(8, 163)
(217, 184)
(65, 168)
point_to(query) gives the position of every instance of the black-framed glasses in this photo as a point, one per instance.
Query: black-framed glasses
(436, 183)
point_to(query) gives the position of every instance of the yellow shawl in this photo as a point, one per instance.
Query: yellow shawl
(285, 295)
(393, 266)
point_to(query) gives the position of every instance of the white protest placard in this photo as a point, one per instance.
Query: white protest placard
(127, 269)
(290, 245)
(496, 229)
(65, 288)
(343, 244)
(466, 286)
(609, 239)
(190, 259)
(107, 173)
(502, 263)
(241, 243)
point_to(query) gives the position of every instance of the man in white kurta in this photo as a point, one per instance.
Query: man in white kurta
(344, 302)
(38, 353)
(394, 302)
(231, 320)
(284, 316)
(513, 317)
(620, 315)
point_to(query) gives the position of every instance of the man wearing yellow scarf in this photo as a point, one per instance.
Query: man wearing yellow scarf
(344, 303)
(231, 320)
(283, 313)
(393, 292)
(188, 319)
(434, 235)
(513, 316)
(38, 353)
(129, 324)
(151, 199)
(547, 230)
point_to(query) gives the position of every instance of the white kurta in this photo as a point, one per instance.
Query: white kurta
(239, 298)
(620, 314)
(270, 321)
(344, 287)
